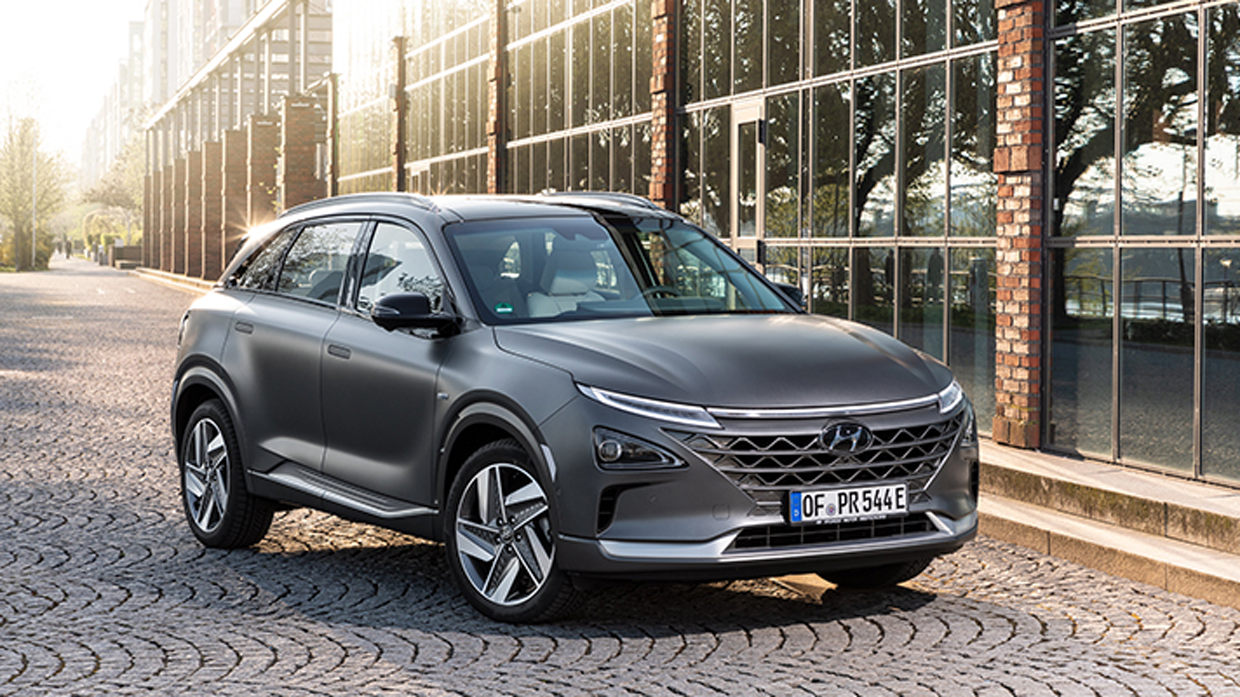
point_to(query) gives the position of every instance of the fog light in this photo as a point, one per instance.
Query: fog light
(617, 451)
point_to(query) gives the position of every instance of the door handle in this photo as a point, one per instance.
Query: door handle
(245, 327)
(339, 351)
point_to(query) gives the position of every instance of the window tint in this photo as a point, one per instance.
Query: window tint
(316, 264)
(398, 262)
(259, 271)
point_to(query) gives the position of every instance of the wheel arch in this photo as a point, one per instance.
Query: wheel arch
(196, 383)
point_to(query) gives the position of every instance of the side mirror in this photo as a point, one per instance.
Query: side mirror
(792, 293)
(408, 310)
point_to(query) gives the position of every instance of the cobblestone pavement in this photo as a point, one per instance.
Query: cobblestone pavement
(103, 590)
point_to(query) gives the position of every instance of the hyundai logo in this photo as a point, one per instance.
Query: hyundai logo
(846, 438)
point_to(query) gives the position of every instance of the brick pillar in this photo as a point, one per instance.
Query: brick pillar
(298, 123)
(1019, 154)
(193, 214)
(148, 215)
(212, 225)
(399, 116)
(262, 140)
(234, 204)
(177, 230)
(497, 143)
(165, 218)
(663, 104)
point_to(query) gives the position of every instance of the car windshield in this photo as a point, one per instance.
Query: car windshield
(573, 268)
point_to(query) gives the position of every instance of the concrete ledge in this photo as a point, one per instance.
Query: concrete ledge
(172, 280)
(1159, 505)
(1175, 566)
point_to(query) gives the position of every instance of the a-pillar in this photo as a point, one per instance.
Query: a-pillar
(262, 136)
(212, 195)
(233, 201)
(179, 171)
(298, 123)
(1019, 154)
(663, 105)
(193, 214)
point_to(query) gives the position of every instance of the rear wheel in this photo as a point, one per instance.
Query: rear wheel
(499, 538)
(882, 576)
(220, 511)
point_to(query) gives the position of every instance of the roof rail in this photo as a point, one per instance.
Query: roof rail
(612, 196)
(388, 196)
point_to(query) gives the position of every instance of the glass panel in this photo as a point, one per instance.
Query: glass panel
(875, 131)
(924, 27)
(924, 116)
(690, 197)
(643, 42)
(622, 159)
(716, 171)
(832, 36)
(1156, 361)
(600, 160)
(974, 185)
(579, 165)
(921, 299)
(872, 287)
(829, 278)
(1084, 198)
(315, 266)
(557, 84)
(717, 48)
(601, 85)
(830, 161)
(523, 170)
(538, 167)
(521, 128)
(1073, 11)
(747, 180)
(557, 165)
(558, 11)
(581, 73)
(641, 159)
(747, 73)
(398, 263)
(783, 114)
(1220, 373)
(783, 41)
(971, 347)
(539, 101)
(973, 21)
(783, 265)
(1083, 296)
(581, 6)
(1160, 127)
(876, 32)
(622, 62)
(1222, 169)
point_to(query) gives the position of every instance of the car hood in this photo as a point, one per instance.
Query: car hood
(733, 361)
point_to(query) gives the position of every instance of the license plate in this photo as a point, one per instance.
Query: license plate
(860, 503)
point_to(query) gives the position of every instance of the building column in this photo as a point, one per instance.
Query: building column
(497, 142)
(663, 105)
(165, 218)
(212, 195)
(299, 120)
(193, 214)
(1019, 154)
(400, 106)
(261, 142)
(177, 230)
(234, 205)
(148, 216)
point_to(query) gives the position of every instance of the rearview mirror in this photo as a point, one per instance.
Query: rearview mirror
(408, 310)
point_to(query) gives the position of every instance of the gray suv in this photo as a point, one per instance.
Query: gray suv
(562, 389)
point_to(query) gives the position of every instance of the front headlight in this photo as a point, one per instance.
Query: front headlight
(950, 397)
(619, 451)
(684, 414)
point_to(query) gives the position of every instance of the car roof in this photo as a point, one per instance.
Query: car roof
(458, 208)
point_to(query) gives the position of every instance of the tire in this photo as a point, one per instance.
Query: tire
(500, 541)
(219, 509)
(883, 576)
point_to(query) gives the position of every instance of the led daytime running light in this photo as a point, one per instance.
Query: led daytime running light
(652, 409)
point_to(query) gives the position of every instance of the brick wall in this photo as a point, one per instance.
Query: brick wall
(262, 139)
(1018, 162)
(193, 214)
(212, 195)
(234, 205)
(298, 184)
(177, 229)
(663, 103)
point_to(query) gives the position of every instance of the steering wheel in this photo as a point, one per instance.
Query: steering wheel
(660, 292)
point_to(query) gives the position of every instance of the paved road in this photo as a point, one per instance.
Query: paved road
(103, 590)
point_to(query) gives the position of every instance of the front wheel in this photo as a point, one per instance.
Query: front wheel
(499, 538)
(220, 511)
(882, 576)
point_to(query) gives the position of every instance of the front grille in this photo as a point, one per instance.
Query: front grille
(768, 466)
(780, 536)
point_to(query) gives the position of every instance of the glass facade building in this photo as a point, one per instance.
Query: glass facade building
(1046, 196)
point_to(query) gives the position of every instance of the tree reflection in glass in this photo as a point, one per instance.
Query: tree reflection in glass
(1084, 179)
(1222, 127)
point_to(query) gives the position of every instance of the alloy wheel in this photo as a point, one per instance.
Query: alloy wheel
(206, 475)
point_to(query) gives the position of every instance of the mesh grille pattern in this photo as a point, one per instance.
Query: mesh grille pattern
(777, 536)
(767, 467)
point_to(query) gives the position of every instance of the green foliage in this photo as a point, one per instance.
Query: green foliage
(20, 161)
(119, 192)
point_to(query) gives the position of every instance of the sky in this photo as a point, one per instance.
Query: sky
(58, 59)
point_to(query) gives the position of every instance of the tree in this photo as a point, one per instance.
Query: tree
(20, 161)
(119, 191)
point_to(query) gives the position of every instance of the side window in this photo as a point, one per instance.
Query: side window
(259, 271)
(316, 264)
(398, 262)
